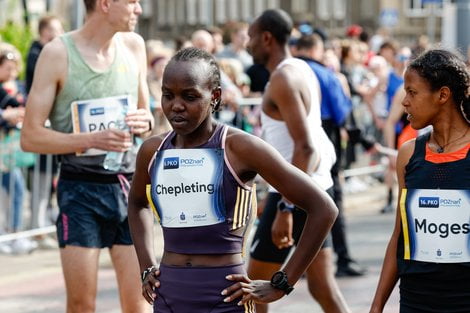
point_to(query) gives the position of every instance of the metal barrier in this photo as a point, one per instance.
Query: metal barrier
(39, 195)
(28, 233)
(31, 214)
(366, 170)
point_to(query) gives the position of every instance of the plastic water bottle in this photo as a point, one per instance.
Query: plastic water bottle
(113, 160)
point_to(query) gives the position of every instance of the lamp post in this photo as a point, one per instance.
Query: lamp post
(463, 25)
(78, 13)
(431, 5)
(25, 13)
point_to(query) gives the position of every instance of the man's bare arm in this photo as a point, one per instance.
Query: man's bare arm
(142, 118)
(35, 137)
(286, 94)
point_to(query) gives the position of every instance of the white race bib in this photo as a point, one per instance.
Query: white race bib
(99, 114)
(436, 225)
(187, 187)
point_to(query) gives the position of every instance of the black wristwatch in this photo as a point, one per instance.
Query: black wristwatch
(147, 271)
(279, 281)
(284, 206)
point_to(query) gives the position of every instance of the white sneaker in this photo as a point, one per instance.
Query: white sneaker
(5, 248)
(47, 243)
(354, 185)
(23, 246)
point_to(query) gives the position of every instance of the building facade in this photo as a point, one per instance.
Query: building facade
(167, 19)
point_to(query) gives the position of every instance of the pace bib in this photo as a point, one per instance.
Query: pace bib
(187, 187)
(436, 225)
(99, 114)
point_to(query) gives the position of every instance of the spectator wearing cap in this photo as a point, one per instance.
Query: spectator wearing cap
(354, 31)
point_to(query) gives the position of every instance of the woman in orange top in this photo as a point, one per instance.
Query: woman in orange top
(429, 250)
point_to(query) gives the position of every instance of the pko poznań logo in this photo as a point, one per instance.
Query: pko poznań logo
(96, 111)
(171, 163)
(428, 202)
(176, 162)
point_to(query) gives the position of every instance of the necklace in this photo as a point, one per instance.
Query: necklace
(440, 148)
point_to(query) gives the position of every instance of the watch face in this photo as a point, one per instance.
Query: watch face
(277, 278)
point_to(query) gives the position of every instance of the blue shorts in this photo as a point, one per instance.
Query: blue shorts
(262, 246)
(92, 215)
(197, 290)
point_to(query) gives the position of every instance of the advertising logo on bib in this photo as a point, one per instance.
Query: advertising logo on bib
(96, 111)
(177, 162)
(451, 202)
(436, 202)
(171, 163)
(191, 162)
(428, 202)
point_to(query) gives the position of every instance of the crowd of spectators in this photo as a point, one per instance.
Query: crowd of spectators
(369, 68)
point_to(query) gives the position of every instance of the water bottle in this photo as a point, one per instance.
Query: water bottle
(113, 159)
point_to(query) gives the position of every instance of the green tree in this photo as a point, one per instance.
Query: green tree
(20, 36)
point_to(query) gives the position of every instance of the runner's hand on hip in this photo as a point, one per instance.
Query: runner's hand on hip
(245, 289)
(149, 284)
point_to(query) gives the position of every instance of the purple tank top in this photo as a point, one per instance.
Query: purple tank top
(198, 199)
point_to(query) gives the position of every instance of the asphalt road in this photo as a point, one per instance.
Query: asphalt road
(34, 283)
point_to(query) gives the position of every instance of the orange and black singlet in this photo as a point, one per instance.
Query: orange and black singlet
(434, 245)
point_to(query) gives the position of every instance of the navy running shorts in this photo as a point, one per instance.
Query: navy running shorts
(197, 290)
(262, 247)
(92, 215)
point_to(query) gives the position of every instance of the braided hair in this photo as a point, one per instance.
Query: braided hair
(193, 54)
(443, 68)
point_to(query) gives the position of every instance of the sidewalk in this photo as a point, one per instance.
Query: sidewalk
(34, 283)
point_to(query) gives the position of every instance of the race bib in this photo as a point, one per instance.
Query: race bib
(187, 187)
(99, 114)
(436, 225)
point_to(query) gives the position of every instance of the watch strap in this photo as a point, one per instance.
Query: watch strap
(147, 271)
(283, 284)
(283, 206)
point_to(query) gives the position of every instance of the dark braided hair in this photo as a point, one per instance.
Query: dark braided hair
(193, 54)
(443, 68)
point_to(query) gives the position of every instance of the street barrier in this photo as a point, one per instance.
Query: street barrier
(35, 209)
(25, 211)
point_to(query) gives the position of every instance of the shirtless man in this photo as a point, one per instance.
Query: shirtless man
(291, 123)
(102, 59)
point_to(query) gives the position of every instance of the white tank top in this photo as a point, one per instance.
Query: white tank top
(275, 132)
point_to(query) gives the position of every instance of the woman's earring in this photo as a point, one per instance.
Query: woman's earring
(463, 112)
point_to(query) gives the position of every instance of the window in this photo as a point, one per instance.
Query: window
(423, 8)
(328, 9)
